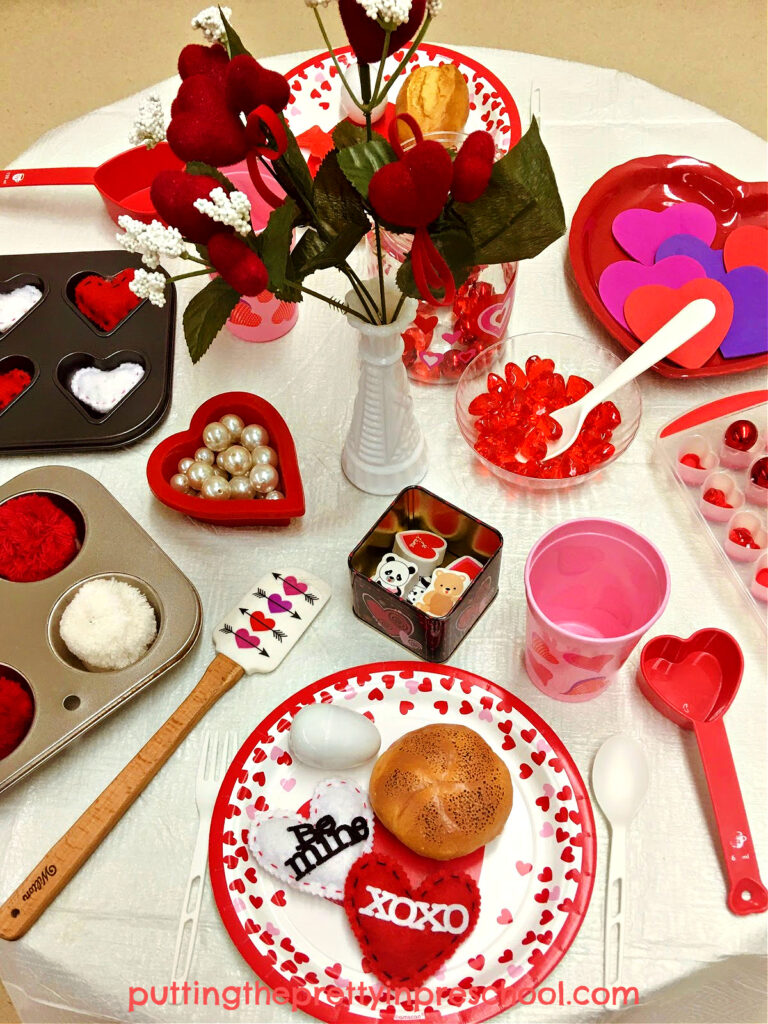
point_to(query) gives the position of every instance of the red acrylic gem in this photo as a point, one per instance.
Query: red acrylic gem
(743, 537)
(496, 383)
(692, 460)
(762, 578)
(741, 435)
(482, 404)
(759, 472)
(515, 376)
(576, 388)
(716, 497)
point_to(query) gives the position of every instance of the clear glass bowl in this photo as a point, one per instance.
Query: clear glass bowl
(571, 354)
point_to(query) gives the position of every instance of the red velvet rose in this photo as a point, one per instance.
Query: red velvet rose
(238, 264)
(366, 36)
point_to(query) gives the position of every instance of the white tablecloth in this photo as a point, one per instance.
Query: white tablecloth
(115, 924)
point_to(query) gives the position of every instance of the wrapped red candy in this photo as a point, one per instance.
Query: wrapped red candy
(514, 422)
(715, 496)
(743, 537)
(741, 435)
(692, 460)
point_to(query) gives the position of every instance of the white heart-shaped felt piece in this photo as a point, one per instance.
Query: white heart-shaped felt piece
(315, 854)
(14, 305)
(101, 390)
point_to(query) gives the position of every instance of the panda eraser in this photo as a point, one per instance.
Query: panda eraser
(395, 574)
(418, 589)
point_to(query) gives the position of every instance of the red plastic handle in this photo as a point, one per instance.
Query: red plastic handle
(47, 176)
(746, 894)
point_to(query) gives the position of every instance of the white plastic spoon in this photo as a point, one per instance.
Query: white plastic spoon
(681, 328)
(619, 781)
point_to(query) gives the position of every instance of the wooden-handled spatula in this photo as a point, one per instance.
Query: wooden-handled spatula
(255, 637)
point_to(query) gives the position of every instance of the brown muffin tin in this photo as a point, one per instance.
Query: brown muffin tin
(69, 699)
(53, 339)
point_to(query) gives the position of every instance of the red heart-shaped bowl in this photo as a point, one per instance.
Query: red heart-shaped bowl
(164, 460)
(655, 182)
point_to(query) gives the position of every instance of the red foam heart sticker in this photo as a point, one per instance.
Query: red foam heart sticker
(746, 246)
(106, 301)
(407, 932)
(650, 307)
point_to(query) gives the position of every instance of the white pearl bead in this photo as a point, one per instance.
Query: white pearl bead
(216, 488)
(236, 460)
(240, 487)
(263, 455)
(234, 425)
(264, 479)
(198, 473)
(253, 435)
(218, 471)
(184, 464)
(205, 455)
(217, 437)
(274, 496)
(179, 483)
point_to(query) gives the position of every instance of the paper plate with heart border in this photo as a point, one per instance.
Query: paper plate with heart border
(164, 460)
(656, 183)
(535, 879)
(316, 95)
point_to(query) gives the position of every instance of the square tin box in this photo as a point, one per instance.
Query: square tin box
(431, 638)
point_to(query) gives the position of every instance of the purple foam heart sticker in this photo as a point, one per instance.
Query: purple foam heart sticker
(245, 639)
(277, 603)
(640, 232)
(687, 245)
(620, 279)
(748, 333)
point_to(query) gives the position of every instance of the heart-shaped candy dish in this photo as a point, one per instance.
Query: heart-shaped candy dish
(666, 222)
(278, 450)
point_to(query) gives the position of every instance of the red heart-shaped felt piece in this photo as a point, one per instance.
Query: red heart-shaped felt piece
(106, 301)
(173, 194)
(164, 460)
(650, 307)
(406, 932)
(412, 191)
(202, 125)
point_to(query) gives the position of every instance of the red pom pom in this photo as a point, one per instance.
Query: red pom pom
(204, 60)
(37, 538)
(412, 191)
(366, 36)
(173, 194)
(17, 709)
(249, 85)
(202, 125)
(237, 263)
(12, 384)
(472, 167)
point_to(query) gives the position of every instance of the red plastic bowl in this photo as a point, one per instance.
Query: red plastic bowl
(654, 183)
(164, 460)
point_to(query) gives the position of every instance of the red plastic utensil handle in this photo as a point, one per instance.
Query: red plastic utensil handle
(746, 894)
(47, 176)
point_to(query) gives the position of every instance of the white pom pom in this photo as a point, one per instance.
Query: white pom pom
(108, 625)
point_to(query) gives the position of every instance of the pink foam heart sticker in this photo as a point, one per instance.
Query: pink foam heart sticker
(640, 232)
(746, 246)
(620, 279)
(649, 308)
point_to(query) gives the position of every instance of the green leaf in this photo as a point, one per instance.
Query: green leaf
(360, 162)
(293, 174)
(312, 253)
(347, 134)
(234, 42)
(202, 252)
(455, 246)
(520, 213)
(206, 314)
(337, 205)
(275, 243)
(198, 167)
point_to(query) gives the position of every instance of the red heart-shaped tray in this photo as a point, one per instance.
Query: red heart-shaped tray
(165, 458)
(655, 182)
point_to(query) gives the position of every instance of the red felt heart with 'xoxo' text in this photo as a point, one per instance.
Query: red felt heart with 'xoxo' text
(650, 307)
(202, 125)
(412, 191)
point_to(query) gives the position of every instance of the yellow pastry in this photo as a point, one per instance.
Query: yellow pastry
(437, 97)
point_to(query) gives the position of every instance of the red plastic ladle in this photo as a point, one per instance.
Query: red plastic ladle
(123, 182)
(693, 682)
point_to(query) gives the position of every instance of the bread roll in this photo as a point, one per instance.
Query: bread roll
(442, 791)
(438, 97)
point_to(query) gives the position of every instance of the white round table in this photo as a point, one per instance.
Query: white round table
(115, 924)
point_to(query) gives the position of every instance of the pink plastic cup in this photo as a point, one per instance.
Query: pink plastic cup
(593, 587)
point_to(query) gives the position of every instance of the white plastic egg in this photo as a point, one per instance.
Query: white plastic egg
(328, 736)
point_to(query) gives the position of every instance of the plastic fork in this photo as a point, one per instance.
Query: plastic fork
(217, 754)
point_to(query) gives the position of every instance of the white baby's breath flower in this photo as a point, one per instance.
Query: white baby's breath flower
(434, 7)
(387, 12)
(210, 24)
(234, 209)
(317, 3)
(150, 286)
(152, 241)
(149, 126)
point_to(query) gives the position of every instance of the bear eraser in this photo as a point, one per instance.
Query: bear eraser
(426, 550)
(395, 574)
(468, 565)
(443, 592)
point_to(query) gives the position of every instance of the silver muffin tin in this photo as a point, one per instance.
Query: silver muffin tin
(69, 699)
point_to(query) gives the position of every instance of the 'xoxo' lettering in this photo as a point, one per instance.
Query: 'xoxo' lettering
(408, 913)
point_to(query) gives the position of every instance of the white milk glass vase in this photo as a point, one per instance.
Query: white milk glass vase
(385, 449)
